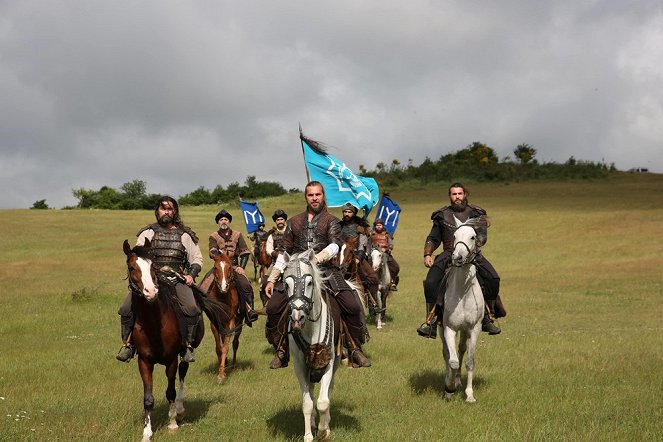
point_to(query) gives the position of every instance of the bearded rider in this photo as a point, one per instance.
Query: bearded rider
(174, 245)
(382, 239)
(442, 232)
(319, 230)
(353, 227)
(232, 243)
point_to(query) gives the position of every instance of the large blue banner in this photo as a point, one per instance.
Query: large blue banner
(252, 216)
(341, 184)
(389, 212)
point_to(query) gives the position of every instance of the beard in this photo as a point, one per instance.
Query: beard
(165, 220)
(347, 218)
(224, 227)
(459, 207)
(319, 209)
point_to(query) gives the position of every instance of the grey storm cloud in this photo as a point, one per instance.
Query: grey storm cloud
(189, 94)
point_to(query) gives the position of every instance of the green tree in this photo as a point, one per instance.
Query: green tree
(40, 204)
(525, 153)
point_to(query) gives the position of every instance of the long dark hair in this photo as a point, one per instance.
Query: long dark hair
(176, 214)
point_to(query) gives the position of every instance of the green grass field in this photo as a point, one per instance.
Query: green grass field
(580, 356)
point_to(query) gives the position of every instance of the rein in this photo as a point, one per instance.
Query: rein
(132, 285)
(298, 295)
(222, 330)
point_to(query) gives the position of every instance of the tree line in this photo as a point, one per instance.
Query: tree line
(475, 162)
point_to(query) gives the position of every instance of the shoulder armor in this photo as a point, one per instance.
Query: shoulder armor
(147, 227)
(478, 209)
(438, 212)
(191, 233)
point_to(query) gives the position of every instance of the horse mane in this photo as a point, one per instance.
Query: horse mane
(142, 252)
(480, 221)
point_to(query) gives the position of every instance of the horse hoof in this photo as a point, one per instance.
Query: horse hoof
(470, 400)
(323, 436)
(173, 428)
(448, 395)
(179, 418)
(220, 381)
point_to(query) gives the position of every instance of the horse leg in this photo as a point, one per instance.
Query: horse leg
(451, 361)
(221, 376)
(179, 400)
(171, 394)
(146, 370)
(469, 364)
(306, 388)
(324, 402)
(219, 351)
(236, 347)
(378, 313)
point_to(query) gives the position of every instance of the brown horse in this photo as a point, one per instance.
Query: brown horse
(224, 290)
(156, 333)
(350, 268)
(264, 258)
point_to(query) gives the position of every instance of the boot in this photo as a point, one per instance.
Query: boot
(359, 359)
(192, 323)
(487, 324)
(282, 355)
(250, 315)
(429, 328)
(128, 350)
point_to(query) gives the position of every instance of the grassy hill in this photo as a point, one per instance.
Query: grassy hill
(579, 357)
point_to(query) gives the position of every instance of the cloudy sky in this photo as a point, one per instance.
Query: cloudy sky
(183, 94)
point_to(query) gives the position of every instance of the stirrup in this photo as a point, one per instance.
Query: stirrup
(126, 353)
(431, 333)
(278, 362)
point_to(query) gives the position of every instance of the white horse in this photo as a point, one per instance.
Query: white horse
(379, 261)
(463, 307)
(313, 333)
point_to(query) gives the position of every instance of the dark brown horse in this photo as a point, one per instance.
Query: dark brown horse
(348, 262)
(156, 333)
(224, 290)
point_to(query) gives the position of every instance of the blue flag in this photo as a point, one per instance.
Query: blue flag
(252, 216)
(389, 212)
(340, 183)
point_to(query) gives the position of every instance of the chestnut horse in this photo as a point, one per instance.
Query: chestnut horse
(351, 274)
(224, 290)
(156, 333)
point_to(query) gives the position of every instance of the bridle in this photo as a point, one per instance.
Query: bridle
(470, 254)
(132, 285)
(305, 303)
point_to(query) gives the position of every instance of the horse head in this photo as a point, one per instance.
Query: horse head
(141, 274)
(223, 271)
(468, 239)
(376, 258)
(302, 280)
(346, 253)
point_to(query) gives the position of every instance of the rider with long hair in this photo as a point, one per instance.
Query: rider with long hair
(175, 246)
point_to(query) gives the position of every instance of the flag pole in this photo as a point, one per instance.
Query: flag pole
(301, 140)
